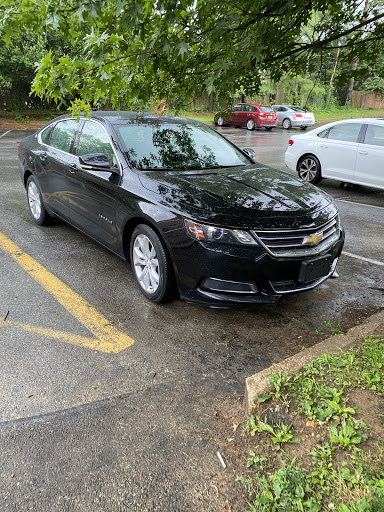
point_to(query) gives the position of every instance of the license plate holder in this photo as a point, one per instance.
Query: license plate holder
(312, 270)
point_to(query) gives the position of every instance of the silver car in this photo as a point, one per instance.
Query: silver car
(289, 116)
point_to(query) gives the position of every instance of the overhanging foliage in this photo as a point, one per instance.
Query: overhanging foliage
(137, 50)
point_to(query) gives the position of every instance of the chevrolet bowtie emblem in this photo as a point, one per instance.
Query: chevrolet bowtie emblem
(314, 239)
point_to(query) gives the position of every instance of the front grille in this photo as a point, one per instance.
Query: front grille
(293, 243)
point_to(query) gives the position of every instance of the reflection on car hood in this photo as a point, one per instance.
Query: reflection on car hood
(248, 192)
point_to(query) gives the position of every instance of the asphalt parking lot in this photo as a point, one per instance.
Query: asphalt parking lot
(85, 426)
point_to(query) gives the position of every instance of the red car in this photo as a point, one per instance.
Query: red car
(248, 114)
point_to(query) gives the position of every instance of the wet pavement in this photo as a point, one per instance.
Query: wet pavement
(86, 430)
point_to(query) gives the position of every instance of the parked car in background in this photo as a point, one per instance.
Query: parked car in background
(248, 114)
(289, 116)
(191, 212)
(351, 151)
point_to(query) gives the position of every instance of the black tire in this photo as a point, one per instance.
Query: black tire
(286, 124)
(250, 124)
(36, 203)
(303, 128)
(151, 265)
(309, 169)
(268, 128)
(220, 121)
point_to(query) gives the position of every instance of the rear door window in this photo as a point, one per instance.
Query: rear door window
(345, 132)
(63, 134)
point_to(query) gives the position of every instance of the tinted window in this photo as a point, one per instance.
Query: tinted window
(94, 139)
(346, 132)
(374, 135)
(173, 146)
(238, 108)
(282, 109)
(252, 109)
(45, 134)
(63, 134)
(266, 109)
(323, 134)
(297, 109)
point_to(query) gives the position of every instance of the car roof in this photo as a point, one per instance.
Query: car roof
(128, 117)
(367, 120)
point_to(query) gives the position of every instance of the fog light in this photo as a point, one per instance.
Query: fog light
(219, 285)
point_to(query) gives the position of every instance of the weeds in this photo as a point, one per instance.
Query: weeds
(343, 476)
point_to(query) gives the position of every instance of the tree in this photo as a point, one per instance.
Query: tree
(137, 50)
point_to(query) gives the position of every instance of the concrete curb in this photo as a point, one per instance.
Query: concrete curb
(258, 384)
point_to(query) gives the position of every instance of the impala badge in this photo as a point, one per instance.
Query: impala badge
(313, 239)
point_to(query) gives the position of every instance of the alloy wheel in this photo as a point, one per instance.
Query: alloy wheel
(308, 169)
(146, 264)
(34, 200)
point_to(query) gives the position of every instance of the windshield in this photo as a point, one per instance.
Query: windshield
(169, 146)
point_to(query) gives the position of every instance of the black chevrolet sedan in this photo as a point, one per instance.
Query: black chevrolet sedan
(193, 213)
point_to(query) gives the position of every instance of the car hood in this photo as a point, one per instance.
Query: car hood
(243, 194)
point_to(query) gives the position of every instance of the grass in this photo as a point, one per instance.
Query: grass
(312, 451)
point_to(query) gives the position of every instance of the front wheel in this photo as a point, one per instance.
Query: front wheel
(250, 124)
(151, 264)
(35, 202)
(309, 169)
(220, 121)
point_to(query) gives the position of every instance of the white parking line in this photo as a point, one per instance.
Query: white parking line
(345, 253)
(360, 204)
(9, 131)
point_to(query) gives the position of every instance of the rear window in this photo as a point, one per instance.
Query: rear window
(266, 109)
(297, 109)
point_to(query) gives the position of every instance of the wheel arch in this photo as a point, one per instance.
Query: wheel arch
(129, 227)
(26, 175)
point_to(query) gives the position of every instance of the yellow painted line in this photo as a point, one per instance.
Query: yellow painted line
(106, 337)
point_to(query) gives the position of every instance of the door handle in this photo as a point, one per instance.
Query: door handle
(73, 168)
(43, 156)
(363, 152)
(323, 146)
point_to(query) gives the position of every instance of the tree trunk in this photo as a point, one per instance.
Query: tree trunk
(354, 64)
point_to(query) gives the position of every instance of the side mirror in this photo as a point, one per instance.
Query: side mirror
(249, 152)
(96, 162)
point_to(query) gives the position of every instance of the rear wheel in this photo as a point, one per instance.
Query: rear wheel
(250, 124)
(35, 202)
(309, 169)
(287, 123)
(151, 264)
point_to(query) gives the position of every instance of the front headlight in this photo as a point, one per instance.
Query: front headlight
(205, 233)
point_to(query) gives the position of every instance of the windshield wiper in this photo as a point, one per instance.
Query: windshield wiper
(222, 166)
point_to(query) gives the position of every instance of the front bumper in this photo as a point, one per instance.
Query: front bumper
(228, 275)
